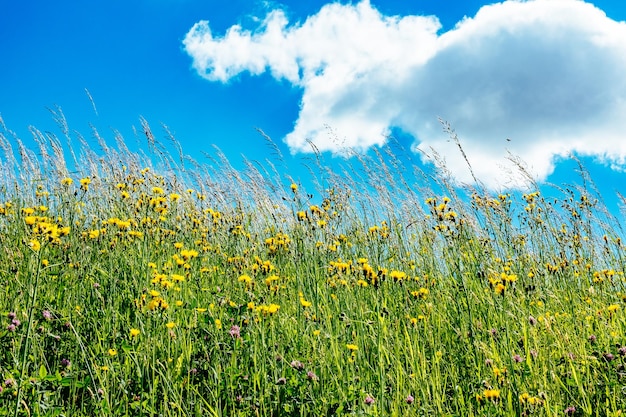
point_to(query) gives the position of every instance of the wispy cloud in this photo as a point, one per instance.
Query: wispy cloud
(546, 74)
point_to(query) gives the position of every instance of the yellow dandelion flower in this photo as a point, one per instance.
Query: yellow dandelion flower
(352, 347)
(84, 183)
(112, 352)
(218, 324)
(67, 181)
(170, 325)
(135, 332)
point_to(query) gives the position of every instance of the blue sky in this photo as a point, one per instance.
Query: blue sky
(546, 74)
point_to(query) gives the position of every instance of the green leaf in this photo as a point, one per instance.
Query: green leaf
(43, 372)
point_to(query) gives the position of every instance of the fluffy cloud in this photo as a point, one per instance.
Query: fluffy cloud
(548, 74)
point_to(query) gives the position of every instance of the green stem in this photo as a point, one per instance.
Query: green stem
(25, 346)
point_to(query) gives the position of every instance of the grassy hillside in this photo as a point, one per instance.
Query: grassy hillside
(128, 288)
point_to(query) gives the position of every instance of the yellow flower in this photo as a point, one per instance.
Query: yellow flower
(305, 303)
(491, 394)
(112, 352)
(294, 187)
(34, 244)
(134, 332)
(67, 181)
(84, 183)
(218, 324)
(245, 278)
(352, 347)
(170, 325)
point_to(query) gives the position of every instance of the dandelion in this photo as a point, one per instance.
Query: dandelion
(34, 245)
(67, 181)
(218, 324)
(134, 332)
(352, 347)
(170, 325)
(112, 352)
(491, 394)
(84, 183)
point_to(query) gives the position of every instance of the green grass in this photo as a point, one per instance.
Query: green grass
(131, 290)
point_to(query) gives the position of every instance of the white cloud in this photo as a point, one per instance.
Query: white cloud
(549, 74)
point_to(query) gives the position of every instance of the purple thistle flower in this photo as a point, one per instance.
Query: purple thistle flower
(11, 315)
(46, 314)
(311, 376)
(517, 358)
(622, 351)
(593, 338)
(65, 363)
(16, 322)
(569, 411)
(409, 399)
(369, 400)
(297, 365)
(11, 327)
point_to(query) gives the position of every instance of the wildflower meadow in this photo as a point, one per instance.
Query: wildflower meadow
(148, 284)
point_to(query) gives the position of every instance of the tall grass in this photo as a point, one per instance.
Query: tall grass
(154, 285)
